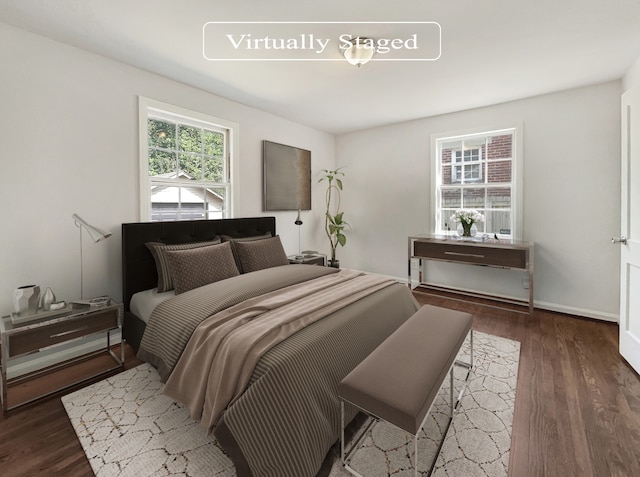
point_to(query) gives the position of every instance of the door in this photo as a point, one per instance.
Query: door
(630, 230)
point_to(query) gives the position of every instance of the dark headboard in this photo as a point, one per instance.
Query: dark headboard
(138, 267)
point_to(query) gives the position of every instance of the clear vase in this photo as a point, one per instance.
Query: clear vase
(467, 230)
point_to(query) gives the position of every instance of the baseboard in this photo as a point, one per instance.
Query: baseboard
(583, 312)
(543, 305)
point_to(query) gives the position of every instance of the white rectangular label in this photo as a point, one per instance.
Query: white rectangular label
(319, 41)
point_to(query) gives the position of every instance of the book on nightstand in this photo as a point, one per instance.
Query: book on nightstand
(91, 302)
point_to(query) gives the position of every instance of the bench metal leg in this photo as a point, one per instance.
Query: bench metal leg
(469, 367)
(345, 454)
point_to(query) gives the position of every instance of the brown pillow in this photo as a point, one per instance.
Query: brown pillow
(193, 268)
(234, 240)
(259, 254)
(159, 250)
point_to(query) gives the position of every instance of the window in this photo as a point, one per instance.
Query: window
(482, 171)
(186, 164)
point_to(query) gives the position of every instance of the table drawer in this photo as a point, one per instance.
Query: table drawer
(33, 339)
(474, 254)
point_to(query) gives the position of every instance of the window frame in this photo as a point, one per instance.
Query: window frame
(151, 108)
(517, 174)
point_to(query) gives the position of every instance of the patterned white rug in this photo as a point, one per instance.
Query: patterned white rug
(127, 427)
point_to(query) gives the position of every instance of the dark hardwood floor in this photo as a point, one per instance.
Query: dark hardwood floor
(37, 439)
(577, 407)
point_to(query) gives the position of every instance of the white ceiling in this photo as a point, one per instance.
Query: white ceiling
(492, 51)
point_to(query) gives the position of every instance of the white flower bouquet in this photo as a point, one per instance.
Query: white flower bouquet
(467, 217)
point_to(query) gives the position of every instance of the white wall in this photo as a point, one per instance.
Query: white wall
(571, 195)
(632, 76)
(69, 135)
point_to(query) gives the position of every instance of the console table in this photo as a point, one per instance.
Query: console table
(505, 254)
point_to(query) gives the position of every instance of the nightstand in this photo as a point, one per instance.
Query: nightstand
(24, 341)
(309, 259)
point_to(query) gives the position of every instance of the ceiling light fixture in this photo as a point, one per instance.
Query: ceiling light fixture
(358, 51)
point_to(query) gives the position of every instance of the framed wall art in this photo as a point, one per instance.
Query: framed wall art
(287, 177)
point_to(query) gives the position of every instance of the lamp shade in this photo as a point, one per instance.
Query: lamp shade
(359, 52)
(96, 233)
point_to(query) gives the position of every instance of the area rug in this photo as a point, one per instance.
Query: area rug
(127, 427)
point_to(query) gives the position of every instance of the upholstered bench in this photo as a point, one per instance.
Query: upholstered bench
(399, 381)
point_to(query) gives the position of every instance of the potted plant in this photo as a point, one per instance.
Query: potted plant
(334, 224)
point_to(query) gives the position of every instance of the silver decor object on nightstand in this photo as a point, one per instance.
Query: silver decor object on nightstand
(25, 298)
(46, 299)
(53, 341)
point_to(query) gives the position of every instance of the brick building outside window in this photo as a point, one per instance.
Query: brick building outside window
(477, 171)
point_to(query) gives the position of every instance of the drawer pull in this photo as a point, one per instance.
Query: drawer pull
(458, 254)
(64, 333)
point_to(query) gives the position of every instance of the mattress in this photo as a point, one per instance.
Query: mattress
(143, 303)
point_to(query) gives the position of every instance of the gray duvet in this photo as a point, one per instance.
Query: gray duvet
(173, 321)
(288, 417)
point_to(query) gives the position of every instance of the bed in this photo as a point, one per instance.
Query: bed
(282, 414)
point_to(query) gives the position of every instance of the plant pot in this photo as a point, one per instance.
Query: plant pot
(334, 263)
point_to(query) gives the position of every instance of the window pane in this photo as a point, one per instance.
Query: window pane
(161, 212)
(500, 147)
(216, 203)
(163, 194)
(164, 202)
(499, 171)
(161, 162)
(214, 169)
(213, 143)
(161, 134)
(192, 212)
(177, 202)
(190, 139)
(451, 198)
(498, 197)
(446, 175)
(472, 172)
(448, 149)
(446, 224)
(192, 195)
(191, 165)
(473, 198)
(498, 222)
